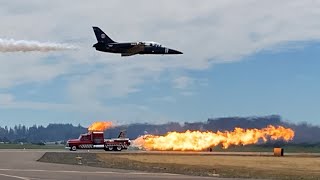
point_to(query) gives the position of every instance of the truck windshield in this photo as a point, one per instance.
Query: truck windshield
(83, 138)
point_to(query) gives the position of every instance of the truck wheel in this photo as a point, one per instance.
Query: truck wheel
(73, 148)
(110, 148)
(118, 148)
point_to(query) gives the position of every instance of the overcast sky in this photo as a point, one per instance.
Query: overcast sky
(241, 58)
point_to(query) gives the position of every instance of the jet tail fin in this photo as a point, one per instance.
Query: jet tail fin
(101, 36)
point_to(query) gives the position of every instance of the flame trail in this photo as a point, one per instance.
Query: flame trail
(99, 126)
(10, 45)
(197, 141)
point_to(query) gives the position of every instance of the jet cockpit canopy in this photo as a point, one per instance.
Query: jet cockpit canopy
(151, 43)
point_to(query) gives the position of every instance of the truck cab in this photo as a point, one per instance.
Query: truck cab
(95, 140)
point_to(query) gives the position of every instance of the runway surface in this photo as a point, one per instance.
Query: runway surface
(22, 164)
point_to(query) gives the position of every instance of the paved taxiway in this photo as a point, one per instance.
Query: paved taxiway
(22, 164)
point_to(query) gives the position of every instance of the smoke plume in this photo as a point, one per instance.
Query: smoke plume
(10, 45)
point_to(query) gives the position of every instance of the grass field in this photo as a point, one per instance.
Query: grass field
(225, 166)
(30, 146)
(260, 167)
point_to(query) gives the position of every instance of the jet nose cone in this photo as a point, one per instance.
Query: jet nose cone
(172, 51)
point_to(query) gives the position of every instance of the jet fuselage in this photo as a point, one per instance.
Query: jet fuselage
(105, 44)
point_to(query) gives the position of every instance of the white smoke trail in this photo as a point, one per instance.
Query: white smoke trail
(11, 45)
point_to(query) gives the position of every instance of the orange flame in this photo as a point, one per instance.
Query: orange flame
(197, 141)
(99, 126)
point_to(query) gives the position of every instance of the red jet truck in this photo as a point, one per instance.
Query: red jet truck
(95, 140)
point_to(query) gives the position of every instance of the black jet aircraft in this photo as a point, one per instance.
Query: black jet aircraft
(106, 44)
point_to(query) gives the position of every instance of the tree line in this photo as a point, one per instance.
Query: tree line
(304, 132)
(37, 134)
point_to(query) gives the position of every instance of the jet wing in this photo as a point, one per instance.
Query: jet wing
(136, 49)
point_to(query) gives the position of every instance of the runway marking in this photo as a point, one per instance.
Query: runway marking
(87, 172)
(17, 177)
